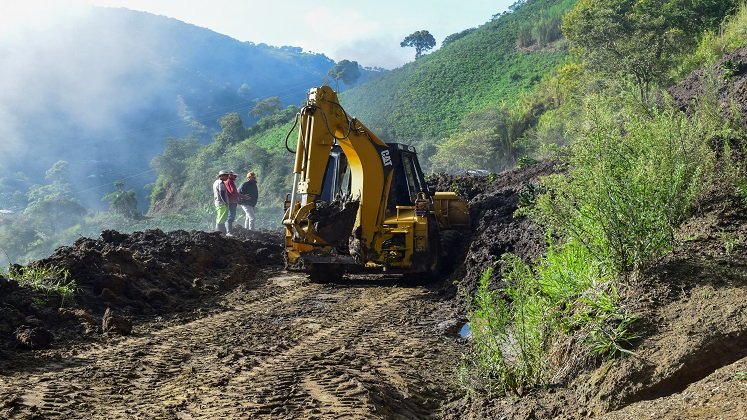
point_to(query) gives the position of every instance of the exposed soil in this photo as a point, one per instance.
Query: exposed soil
(277, 346)
(144, 274)
(493, 202)
(729, 78)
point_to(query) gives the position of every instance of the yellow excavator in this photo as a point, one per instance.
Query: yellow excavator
(358, 204)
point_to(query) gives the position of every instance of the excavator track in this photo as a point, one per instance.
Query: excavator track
(287, 349)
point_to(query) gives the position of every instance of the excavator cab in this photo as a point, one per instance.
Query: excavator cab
(407, 183)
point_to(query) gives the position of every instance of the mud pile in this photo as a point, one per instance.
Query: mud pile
(143, 273)
(495, 231)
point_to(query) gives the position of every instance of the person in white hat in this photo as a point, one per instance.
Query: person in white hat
(221, 201)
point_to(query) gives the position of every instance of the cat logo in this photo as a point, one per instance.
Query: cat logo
(385, 158)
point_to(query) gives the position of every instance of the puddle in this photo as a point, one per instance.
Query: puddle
(465, 331)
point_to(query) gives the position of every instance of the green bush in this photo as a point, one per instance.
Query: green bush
(634, 173)
(514, 327)
(506, 345)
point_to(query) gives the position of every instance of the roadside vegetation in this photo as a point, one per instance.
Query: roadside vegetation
(635, 166)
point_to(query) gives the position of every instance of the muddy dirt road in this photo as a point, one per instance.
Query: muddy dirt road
(278, 346)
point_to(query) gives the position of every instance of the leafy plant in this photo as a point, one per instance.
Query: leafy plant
(741, 186)
(611, 328)
(732, 67)
(634, 174)
(48, 280)
(513, 327)
(507, 339)
(730, 240)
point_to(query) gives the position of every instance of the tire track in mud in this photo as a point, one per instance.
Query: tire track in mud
(144, 376)
(313, 377)
(288, 349)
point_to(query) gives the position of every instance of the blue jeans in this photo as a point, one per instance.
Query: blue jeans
(232, 212)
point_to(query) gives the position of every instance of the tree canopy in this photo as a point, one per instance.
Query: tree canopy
(345, 70)
(639, 38)
(266, 106)
(232, 130)
(55, 202)
(421, 40)
(123, 201)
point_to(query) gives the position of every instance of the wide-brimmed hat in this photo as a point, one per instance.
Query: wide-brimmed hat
(223, 173)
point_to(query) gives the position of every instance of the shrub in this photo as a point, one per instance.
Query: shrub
(514, 328)
(634, 173)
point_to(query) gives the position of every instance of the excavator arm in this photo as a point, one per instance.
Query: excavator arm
(323, 124)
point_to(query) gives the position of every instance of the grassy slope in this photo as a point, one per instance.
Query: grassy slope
(426, 100)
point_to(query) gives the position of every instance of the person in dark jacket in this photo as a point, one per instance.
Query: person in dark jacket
(249, 194)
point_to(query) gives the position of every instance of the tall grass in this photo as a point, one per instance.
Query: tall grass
(47, 280)
(633, 175)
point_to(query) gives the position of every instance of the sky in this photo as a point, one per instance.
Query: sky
(366, 31)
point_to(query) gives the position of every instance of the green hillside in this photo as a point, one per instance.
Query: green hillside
(422, 103)
(426, 100)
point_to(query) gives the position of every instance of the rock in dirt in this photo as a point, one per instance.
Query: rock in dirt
(115, 324)
(33, 337)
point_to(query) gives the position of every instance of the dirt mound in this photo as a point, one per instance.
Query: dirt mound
(143, 273)
(493, 201)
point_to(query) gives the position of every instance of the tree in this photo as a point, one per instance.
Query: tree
(266, 106)
(123, 202)
(172, 163)
(12, 192)
(639, 38)
(345, 70)
(58, 172)
(16, 239)
(232, 130)
(453, 37)
(54, 203)
(244, 90)
(421, 40)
